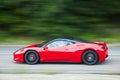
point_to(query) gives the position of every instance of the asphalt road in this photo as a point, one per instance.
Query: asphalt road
(7, 65)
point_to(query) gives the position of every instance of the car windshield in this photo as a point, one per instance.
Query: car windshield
(42, 44)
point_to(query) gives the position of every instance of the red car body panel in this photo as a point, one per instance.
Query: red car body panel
(71, 53)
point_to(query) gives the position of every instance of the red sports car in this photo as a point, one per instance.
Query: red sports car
(63, 50)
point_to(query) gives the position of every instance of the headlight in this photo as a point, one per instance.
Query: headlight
(19, 51)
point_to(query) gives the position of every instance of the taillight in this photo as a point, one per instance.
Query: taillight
(104, 47)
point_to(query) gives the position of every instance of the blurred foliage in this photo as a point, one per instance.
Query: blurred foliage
(45, 19)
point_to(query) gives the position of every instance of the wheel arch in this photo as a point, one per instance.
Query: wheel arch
(88, 50)
(30, 50)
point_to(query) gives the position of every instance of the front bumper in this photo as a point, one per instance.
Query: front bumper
(18, 57)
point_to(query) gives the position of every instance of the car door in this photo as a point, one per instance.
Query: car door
(57, 51)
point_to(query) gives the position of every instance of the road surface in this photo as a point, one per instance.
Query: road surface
(7, 65)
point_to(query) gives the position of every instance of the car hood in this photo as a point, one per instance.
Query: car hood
(32, 45)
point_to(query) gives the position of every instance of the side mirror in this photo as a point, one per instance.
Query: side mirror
(45, 48)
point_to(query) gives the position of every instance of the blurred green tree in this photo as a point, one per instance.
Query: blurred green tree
(54, 18)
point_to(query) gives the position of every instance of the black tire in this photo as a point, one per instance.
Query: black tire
(31, 57)
(90, 57)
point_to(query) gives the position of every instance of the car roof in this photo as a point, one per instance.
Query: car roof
(64, 39)
(73, 39)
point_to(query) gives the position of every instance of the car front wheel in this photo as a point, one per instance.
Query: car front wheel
(89, 57)
(31, 57)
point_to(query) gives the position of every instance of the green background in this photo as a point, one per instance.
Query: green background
(28, 21)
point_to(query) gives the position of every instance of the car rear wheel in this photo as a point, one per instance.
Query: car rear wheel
(89, 57)
(31, 57)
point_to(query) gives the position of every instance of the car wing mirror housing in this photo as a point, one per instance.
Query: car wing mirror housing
(45, 48)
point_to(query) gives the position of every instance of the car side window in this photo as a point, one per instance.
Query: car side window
(59, 44)
(69, 42)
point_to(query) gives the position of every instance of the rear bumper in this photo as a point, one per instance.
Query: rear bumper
(102, 55)
(106, 55)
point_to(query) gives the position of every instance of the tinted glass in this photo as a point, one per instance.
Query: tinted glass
(58, 44)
